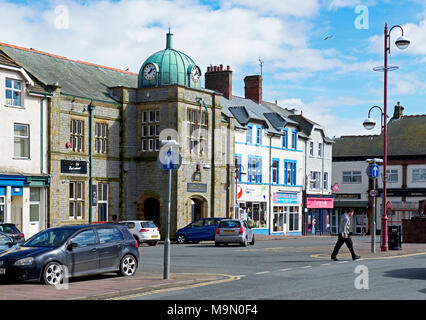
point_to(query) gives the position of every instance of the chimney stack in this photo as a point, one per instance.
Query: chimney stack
(253, 88)
(397, 113)
(219, 79)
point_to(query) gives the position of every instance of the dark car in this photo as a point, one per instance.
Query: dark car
(83, 250)
(199, 230)
(6, 242)
(12, 231)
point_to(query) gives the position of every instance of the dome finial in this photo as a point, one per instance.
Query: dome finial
(169, 40)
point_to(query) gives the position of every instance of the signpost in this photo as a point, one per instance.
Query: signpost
(373, 173)
(169, 159)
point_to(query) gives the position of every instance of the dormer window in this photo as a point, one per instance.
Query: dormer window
(13, 93)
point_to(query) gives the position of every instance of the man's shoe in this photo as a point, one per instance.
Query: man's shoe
(356, 258)
(334, 258)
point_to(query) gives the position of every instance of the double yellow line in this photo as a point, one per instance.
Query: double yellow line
(196, 285)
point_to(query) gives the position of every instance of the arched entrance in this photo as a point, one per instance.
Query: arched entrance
(197, 208)
(152, 210)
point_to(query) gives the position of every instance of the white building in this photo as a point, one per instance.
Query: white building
(406, 172)
(318, 198)
(24, 180)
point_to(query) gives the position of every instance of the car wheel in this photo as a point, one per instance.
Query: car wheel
(252, 241)
(244, 243)
(128, 265)
(181, 239)
(53, 274)
(152, 243)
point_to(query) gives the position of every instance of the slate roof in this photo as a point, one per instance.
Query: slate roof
(75, 77)
(37, 85)
(307, 125)
(406, 137)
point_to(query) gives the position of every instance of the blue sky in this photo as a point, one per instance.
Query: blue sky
(330, 80)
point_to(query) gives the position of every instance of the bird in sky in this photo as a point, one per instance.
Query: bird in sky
(328, 37)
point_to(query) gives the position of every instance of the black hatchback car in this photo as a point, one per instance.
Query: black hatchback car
(12, 231)
(83, 250)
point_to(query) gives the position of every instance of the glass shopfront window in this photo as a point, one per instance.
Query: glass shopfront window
(2, 217)
(280, 218)
(257, 216)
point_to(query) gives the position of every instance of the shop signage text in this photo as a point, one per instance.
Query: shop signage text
(73, 166)
(286, 198)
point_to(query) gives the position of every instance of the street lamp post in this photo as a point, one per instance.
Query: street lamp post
(402, 43)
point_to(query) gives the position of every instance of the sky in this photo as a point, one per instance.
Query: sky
(318, 55)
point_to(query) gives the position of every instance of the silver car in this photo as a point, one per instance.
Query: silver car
(234, 231)
(143, 231)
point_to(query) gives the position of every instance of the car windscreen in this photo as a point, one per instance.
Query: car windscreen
(229, 224)
(50, 238)
(4, 240)
(148, 224)
(8, 228)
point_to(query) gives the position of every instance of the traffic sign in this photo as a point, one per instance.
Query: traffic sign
(169, 159)
(373, 193)
(374, 171)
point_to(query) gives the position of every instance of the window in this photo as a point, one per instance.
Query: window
(21, 147)
(352, 177)
(197, 122)
(249, 134)
(34, 204)
(258, 135)
(319, 149)
(294, 219)
(311, 148)
(290, 172)
(109, 235)
(419, 175)
(285, 139)
(150, 130)
(255, 170)
(76, 200)
(238, 167)
(77, 135)
(315, 180)
(294, 139)
(275, 171)
(392, 175)
(101, 137)
(13, 93)
(325, 181)
(85, 238)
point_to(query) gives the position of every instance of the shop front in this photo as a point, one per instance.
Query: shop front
(318, 214)
(253, 206)
(360, 219)
(286, 213)
(23, 202)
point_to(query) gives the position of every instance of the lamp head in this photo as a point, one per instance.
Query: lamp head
(369, 123)
(402, 43)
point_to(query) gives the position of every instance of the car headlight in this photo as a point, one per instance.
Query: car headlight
(25, 262)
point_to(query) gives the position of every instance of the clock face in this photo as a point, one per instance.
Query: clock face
(195, 74)
(149, 72)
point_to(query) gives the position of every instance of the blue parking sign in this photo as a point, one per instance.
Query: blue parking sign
(374, 171)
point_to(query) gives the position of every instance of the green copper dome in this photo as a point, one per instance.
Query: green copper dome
(167, 67)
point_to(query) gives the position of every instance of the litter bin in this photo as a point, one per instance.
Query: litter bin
(394, 237)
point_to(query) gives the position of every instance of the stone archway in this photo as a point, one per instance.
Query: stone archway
(198, 207)
(152, 210)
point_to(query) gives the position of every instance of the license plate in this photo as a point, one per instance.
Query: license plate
(2, 271)
(154, 236)
(229, 231)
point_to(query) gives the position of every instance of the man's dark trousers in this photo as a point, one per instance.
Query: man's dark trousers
(340, 242)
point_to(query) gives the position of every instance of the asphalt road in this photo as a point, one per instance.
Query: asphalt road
(288, 270)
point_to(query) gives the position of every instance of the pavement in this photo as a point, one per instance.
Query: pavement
(110, 286)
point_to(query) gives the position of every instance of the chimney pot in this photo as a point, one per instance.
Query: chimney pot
(221, 67)
(220, 81)
(228, 68)
(397, 113)
(253, 88)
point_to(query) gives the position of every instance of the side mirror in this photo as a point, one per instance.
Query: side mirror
(71, 246)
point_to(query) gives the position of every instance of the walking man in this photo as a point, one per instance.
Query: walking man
(344, 225)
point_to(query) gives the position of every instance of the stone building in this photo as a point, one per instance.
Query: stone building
(169, 103)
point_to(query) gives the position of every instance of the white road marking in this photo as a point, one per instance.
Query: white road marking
(342, 262)
(286, 269)
(305, 267)
(263, 272)
(325, 264)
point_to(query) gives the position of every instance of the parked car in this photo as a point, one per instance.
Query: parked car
(199, 230)
(11, 230)
(143, 231)
(234, 231)
(83, 250)
(6, 242)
